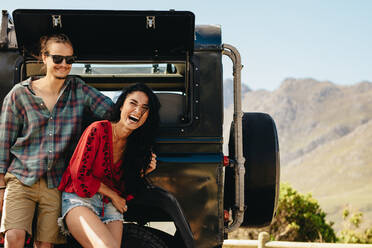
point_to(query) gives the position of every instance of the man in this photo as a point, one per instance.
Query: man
(41, 121)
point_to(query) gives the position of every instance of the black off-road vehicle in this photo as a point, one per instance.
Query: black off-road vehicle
(197, 194)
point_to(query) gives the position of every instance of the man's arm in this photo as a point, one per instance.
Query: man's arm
(10, 125)
(2, 184)
(98, 103)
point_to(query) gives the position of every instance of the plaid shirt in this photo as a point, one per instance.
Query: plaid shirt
(36, 142)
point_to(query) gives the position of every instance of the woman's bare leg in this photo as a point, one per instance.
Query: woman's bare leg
(116, 229)
(88, 229)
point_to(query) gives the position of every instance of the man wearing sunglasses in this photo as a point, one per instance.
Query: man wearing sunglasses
(40, 124)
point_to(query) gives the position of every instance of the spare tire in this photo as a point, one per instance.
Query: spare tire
(136, 236)
(262, 169)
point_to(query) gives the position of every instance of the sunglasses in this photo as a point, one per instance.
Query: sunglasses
(57, 59)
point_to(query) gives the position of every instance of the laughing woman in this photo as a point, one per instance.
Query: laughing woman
(108, 164)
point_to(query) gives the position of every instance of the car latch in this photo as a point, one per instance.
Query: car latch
(57, 21)
(150, 22)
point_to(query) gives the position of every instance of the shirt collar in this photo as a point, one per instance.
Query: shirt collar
(28, 81)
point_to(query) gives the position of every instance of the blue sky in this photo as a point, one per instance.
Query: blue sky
(325, 40)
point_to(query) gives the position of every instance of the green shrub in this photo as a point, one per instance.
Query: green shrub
(300, 218)
(352, 232)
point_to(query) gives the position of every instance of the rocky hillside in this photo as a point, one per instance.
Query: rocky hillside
(325, 137)
(228, 91)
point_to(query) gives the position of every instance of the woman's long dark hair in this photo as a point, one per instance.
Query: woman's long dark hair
(140, 142)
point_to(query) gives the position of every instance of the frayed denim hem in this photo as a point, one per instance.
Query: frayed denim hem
(112, 220)
(61, 223)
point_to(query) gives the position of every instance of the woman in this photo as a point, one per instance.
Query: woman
(39, 123)
(108, 166)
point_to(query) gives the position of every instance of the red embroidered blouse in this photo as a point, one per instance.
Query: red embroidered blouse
(92, 163)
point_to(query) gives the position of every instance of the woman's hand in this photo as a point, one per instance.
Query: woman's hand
(152, 164)
(119, 203)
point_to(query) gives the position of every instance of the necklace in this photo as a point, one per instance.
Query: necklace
(117, 140)
(115, 135)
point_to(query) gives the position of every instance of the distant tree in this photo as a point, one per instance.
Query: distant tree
(351, 232)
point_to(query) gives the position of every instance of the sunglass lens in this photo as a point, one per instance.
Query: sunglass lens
(70, 60)
(57, 59)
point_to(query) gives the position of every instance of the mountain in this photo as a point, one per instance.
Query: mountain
(338, 174)
(325, 133)
(228, 91)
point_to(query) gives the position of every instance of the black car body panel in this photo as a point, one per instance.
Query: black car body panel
(110, 35)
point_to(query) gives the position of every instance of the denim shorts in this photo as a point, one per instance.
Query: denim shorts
(105, 211)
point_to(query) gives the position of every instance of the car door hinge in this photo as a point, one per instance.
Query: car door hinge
(150, 22)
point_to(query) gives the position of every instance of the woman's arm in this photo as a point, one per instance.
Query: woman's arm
(119, 202)
(82, 163)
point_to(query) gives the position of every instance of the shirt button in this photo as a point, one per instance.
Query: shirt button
(41, 104)
(50, 151)
(51, 117)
